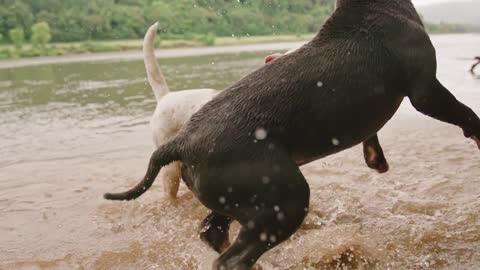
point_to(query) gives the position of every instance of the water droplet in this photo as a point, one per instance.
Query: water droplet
(230, 189)
(265, 180)
(260, 134)
(222, 200)
(263, 237)
(280, 216)
(271, 146)
(273, 238)
(335, 141)
(251, 224)
(276, 208)
(320, 84)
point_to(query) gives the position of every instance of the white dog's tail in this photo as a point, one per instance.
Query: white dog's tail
(154, 73)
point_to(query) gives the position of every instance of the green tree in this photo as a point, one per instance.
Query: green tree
(81, 20)
(40, 35)
(20, 15)
(17, 36)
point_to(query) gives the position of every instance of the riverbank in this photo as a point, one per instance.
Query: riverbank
(161, 53)
(76, 48)
(168, 50)
(9, 52)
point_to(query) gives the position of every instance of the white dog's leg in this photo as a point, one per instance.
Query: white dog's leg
(170, 176)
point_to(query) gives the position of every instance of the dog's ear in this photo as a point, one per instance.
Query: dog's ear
(272, 57)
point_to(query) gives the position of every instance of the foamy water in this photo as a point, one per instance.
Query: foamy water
(71, 132)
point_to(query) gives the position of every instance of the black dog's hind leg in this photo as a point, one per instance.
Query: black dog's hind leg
(214, 231)
(269, 212)
(437, 102)
(373, 154)
(263, 232)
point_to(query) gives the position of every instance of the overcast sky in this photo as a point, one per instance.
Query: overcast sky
(428, 2)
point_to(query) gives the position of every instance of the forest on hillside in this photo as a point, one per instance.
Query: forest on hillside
(78, 20)
(57, 27)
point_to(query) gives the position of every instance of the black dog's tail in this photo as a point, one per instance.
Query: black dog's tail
(163, 156)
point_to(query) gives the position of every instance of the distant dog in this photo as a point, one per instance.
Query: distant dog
(241, 151)
(472, 69)
(174, 109)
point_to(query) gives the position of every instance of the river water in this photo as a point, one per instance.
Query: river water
(72, 131)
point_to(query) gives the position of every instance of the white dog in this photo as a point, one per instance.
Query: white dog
(173, 109)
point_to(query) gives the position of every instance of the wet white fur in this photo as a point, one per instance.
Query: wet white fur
(173, 109)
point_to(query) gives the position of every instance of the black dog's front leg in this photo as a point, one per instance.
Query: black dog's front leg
(373, 154)
(437, 102)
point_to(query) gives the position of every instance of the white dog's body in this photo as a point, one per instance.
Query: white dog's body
(173, 109)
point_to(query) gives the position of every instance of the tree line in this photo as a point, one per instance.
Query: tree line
(79, 20)
(39, 22)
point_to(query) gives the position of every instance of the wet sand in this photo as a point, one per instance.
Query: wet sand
(58, 159)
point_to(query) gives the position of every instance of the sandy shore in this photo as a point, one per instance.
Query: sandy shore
(137, 54)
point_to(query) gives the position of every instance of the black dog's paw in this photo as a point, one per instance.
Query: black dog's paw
(469, 133)
(376, 160)
(214, 236)
(381, 166)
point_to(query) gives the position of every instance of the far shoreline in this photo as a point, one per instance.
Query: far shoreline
(131, 55)
(165, 53)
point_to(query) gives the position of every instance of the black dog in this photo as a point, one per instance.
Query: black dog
(241, 151)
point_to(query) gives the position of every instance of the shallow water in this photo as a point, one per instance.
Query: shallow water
(71, 132)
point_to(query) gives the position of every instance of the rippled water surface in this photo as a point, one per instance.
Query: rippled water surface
(70, 132)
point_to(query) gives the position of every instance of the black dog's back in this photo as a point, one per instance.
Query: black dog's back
(296, 98)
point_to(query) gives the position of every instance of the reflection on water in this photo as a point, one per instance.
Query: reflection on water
(117, 84)
(70, 132)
